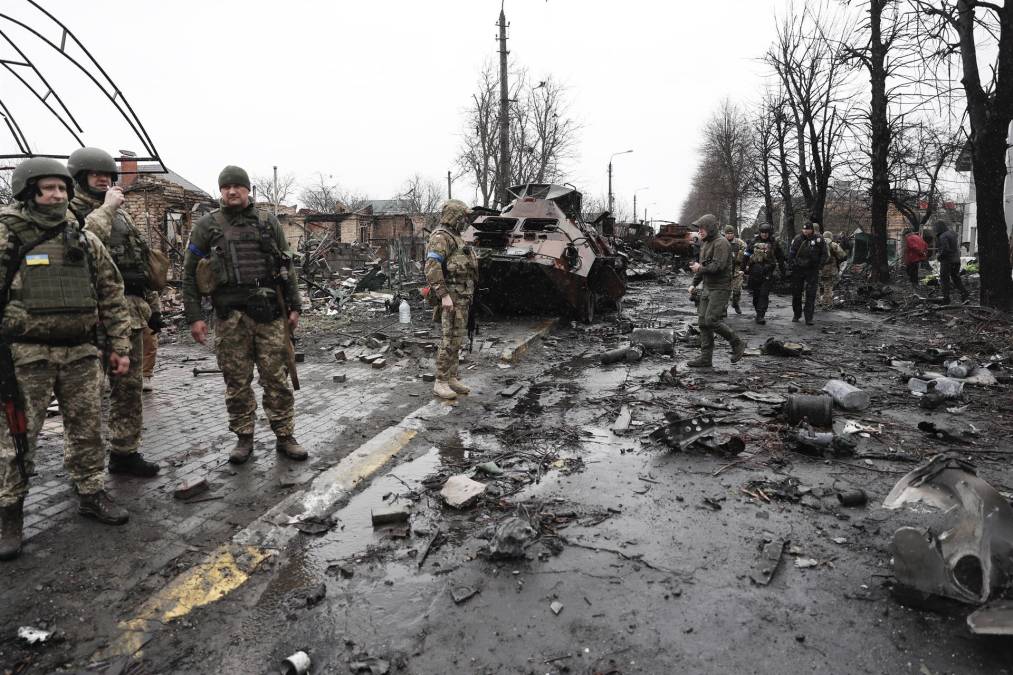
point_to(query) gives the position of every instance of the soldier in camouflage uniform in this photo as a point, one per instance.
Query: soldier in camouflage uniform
(452, 271)
(61, 289)
(99, 202)
(245, 256)
(714, 271)
(738, 251)
(830, 270)
(763, 255)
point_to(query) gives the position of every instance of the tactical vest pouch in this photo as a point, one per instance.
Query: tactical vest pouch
(158, 269)
(262, 305)
(205, 277)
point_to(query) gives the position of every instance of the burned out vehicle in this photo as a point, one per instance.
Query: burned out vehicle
(675, 239)
(539, 256)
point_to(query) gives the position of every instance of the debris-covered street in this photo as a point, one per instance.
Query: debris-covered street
(591, 546)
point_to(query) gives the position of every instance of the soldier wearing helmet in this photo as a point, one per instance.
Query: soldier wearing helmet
(830, 270)
(714, 272)
(59, 283)
(763, 255)
(100, 202)
(238, 256)
(738, 255)
(452, 272)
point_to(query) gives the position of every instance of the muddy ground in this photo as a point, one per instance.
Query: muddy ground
(643, 557)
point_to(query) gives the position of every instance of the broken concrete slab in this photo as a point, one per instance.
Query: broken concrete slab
(339, 378)
(379, 363)
(768, 562)
(191, 488)
(511, 539)
(391, 515)
(459, 491)
(512, 390)
(340, 355)
(623, 421)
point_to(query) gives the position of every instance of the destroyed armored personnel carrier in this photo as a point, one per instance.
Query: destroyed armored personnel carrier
(538, 256)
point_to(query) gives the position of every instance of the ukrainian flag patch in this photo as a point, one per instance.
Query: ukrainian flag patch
(37, 259)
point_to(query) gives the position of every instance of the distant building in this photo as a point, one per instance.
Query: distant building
(970, 221)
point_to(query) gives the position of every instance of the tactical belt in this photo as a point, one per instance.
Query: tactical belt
(134, 289)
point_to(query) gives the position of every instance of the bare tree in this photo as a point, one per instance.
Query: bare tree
(706, 194)
(266, 191)
(765, 146)
(809, 66)
(728, 143)
(542, 137)
(919, 154)
(959, 28)
(321, 195)
(424, 198)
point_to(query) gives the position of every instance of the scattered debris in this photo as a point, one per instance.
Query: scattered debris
(993, 619)
(853, 498)
(816, 410)
(460, 594)
(391, 515)
(489, 469)
(337, 379)
(512, 390)
(297, 664)
(759, 397)
(623, 421)
(556, 606)
(775, 347)
(315, 525)
(847, 396)
(654, 340)
(951, 433)
(191, 488)
(806, 563)
(511, 539)
(33, 635)
(459, 491)
(680, 433)
(970, 556)
(768, 562)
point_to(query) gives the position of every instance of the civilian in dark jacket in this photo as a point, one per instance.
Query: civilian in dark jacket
(948, 254)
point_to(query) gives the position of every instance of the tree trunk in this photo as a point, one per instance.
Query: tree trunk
(989, 171)
(879, 128)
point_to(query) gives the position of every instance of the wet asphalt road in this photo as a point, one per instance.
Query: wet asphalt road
(648, 552)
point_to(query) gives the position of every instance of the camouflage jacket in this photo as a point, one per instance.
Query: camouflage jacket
(200, 245)
(716, 262)
(738, 255)
(451, 265)
(98, 219)
(835, 256)
(112, 312)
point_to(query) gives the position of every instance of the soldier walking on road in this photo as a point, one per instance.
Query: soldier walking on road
(762, 256)
(239, 256)
(806, 256)
(948, 254)
(714, 271)
(738, 252)
(452, 271)
(830, 270)
(100, 203)
(59, 282)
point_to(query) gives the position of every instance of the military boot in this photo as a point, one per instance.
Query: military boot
(442, 389)
(458, 386)
(12, 520)
(705, 360)
(102, 508)
(244, 448)
(738, 349)
(735, 306)
(132, 464)
(760, 319)
(288, 446)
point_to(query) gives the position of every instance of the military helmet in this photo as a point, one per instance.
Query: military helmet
(91, 159)
(27, 174)
(827, 234)
(453, 210)
(729, 229)
(767, 227)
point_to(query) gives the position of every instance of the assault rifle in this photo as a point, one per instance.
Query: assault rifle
(289, 339)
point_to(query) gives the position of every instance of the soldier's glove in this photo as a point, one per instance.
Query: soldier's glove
(155, 323)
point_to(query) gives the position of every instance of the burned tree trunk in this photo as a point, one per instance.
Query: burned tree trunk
(879, 128)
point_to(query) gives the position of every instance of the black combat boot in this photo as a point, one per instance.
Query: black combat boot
(760, 319)
(795, 319)
(132, 464)
(12, 520)
(288, 446)
(735, 306)
(102, 508)
(738, 349)
(705, 360)
(243, 449)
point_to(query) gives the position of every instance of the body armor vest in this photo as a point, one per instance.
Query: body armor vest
(761, 252)
(460, 269)
(248, 263)
(130, 254)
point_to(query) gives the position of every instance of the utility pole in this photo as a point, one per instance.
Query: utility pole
(624, 152)
(449, 195)
(275, 190)
(504, 111)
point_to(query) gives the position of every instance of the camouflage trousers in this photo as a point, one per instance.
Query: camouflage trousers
(241, 342)
(455, 327)
(77, 386)
(150, 351)
(126, 414)
(737, 288)
(827, 281)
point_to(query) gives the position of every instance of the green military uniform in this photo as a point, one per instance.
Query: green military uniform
(129, 251)
(831, 269)
(715, 275)
(248, 257)
(738, 250)
(452, 270)
(62, 289)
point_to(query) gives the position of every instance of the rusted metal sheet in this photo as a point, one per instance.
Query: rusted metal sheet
(538, 256)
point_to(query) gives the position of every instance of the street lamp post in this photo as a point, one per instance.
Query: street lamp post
(624, 152)
(639, 189)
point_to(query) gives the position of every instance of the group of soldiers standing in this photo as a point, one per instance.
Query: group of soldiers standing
(80, 285)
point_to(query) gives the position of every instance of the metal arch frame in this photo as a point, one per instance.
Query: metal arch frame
(70, 123)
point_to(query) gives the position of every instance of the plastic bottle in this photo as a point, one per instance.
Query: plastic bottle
(404, 312)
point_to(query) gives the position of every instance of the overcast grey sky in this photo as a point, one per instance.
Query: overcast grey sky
(372, 92)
